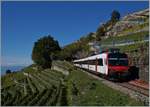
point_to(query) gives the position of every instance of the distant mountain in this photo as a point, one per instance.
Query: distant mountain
(12, 68)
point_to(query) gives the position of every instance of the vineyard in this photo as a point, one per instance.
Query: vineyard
(34, 88)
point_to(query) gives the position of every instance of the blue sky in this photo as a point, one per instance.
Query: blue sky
(25, 22)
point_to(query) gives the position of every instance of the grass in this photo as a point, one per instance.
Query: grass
(85, 91)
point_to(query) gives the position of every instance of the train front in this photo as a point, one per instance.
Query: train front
(118, 66)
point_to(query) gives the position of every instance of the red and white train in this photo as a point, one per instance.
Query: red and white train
(111, 64)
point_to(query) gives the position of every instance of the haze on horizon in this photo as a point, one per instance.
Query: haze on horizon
(23, 23)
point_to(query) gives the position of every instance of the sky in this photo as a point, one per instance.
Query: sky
(23, 23)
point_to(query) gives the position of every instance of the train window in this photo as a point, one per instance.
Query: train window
(87, 62)
(118, 62)
(117, 55)
(92, 62)
(84, 62)
(79, 62)
(100, 62)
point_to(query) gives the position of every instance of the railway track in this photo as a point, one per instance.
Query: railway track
(135, 88)
(140, 83)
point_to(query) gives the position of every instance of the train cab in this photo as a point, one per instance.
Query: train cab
(118, 65)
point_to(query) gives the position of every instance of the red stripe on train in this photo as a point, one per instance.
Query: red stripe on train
(118, 68)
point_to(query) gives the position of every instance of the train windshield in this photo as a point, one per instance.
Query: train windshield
(117, 59)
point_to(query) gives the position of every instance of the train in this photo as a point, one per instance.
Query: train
(111, 64)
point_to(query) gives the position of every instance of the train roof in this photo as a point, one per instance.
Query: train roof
(91, 57)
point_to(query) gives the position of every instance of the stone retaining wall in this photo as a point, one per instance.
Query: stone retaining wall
(140, 59)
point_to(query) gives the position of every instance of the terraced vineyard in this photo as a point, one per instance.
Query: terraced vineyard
(34, 88)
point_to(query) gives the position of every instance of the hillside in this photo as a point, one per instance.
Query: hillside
(130, 34)
(134, 22)
(50, 87)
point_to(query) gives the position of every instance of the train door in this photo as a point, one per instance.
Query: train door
(96, 65)
(100, 66)
(105, 67)
(88, 64)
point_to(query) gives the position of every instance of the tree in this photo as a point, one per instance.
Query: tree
(115, 16)
(90, 37)
(100, 32)
(42, 53)
(8, 71)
